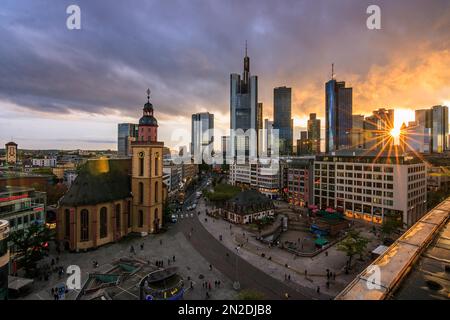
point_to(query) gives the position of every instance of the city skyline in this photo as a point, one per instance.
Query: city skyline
(73, 92)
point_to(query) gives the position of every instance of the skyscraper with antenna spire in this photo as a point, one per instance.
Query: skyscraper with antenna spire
(244, 111)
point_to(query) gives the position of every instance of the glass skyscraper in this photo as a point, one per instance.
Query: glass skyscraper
(338, 115)
(201, 133)
(282, 118)
(127, 132)
(439, 129)
(244, 112)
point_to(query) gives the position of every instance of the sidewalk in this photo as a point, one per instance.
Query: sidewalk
(252, 250)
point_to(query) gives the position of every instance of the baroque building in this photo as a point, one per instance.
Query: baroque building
(111, 198)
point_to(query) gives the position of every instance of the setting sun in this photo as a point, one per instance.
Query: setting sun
(395, 133)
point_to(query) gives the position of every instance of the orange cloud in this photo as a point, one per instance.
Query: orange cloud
(410, 80)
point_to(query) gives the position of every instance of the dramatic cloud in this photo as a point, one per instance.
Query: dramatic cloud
(185, 50)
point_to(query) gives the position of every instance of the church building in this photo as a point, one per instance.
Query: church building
(111, 198)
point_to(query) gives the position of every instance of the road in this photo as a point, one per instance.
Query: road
(233, 266)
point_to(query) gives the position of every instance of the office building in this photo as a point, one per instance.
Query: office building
(268, 135)
(282, 118)
(314, 132)
(22, 206)
(304, 144)
(46, 162)
(127, 133)
(415, 138)
(244, 113)
(300, 178)
(439, 129)
(369, 186)
(377, 130)
(260, 174)
(338, 115)
(225, 148)
(202, 135)
(357, 132)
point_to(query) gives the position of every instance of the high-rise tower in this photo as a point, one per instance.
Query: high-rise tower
(338, 114)
(244, 112)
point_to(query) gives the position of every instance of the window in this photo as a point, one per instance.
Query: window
(67, 222)
(141, 166)
(129, 214)
(103, 222)
(156, 192)
(141, 218)
(156, 164)
(84, 225)
(118, 217)
(141, 192)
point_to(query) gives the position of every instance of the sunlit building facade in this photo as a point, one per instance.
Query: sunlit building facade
(368, 187)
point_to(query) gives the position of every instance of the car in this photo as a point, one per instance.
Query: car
(193, 206)
(173, 218)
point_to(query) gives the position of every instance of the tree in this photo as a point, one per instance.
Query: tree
(31, 245)
(390, 224)
(167, 210)
(352, 245)
(250, 295)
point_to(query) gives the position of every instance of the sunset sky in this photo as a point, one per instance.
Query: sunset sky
(67, 89)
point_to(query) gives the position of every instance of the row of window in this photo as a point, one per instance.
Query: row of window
(348, 167)
(141, 192)
(84, 221)
(24, 219)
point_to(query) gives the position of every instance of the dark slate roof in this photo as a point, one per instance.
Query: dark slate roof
(100, 181)
(249, 201)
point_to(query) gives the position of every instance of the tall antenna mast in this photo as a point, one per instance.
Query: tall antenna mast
(332, 71)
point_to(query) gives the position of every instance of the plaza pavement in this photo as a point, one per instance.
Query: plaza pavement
(316, 266)
(190, 264)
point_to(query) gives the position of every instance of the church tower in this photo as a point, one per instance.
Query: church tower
(147, 172)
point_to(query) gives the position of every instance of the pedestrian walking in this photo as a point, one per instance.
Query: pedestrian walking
(173, 258)
(289, 277)
(328, 284)
(326, 253)
(192, 285)
(142, 246)
(210, 267)
(318, 289)
(209, 285)
(132, 249)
